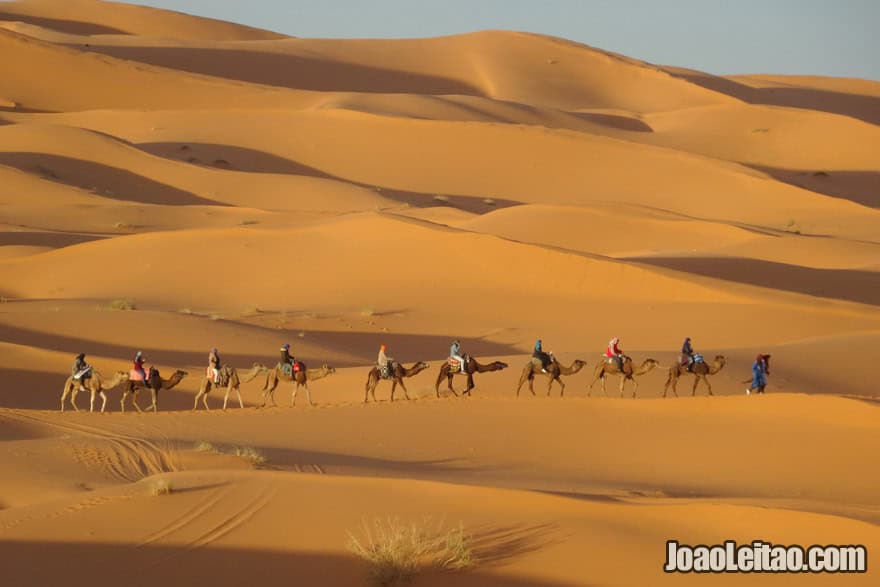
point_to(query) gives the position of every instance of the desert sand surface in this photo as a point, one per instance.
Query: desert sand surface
(170, 183)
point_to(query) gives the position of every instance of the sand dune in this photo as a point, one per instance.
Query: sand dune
(170, 183)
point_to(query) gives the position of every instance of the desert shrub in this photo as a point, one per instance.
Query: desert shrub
(255, 457)
(160, 487)
(123, 305)
(397, 550)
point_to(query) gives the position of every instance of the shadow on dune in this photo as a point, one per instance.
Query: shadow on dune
(70, 27)
(254, 161)
(866, 108)
(841, 284)
(103, 180)
(56, 240)
(861, 187)
(614, 121)
(290, 71)
(24, 563)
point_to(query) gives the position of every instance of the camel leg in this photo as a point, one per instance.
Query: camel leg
(367, 388)
(373, 390)
(622, 384)
(203, 390)
(470, 384)
(696, 382)
(590, 388)
(449, 383)
(308, 393)
(522, 379)
(293, 396)
(437, 384)
(154, 395)
(269, 390)
(604, 393)
(709, 385)
(64, 395)
(550, 385)
(238, 393)
(635, 387)
(92, 400)
(229, 389)
(103, 400)
(561, 387)
(73, 396)
(405, 392)
(134, 402)
(393, 387)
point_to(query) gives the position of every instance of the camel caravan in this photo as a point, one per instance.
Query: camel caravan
(614, 363)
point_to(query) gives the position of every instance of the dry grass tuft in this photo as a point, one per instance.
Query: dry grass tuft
(255, 457)
(160, 487)
(122, 305)
(398, 551)
(205, 446)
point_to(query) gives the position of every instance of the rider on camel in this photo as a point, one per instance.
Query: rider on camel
(539, 354)
(455, 353)
(614, 352)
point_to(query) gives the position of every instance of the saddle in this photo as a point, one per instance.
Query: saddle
(223, 376)
(455, 365)
(387, 372)
(135, 375)
(698, 358)
(289, 371)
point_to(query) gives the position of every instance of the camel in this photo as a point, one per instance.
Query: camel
(448, 370)
(398, 373)
(230, 375)
(554, 370)
(298, 378)
(156, 383)
(606, 367)
(95, 384)
(701, 372)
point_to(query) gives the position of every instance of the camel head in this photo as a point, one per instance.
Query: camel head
(578, 363)
(181, 374)
(122, 375)
(500, 365)
(259, 367)
(328, 369)
(421, 366)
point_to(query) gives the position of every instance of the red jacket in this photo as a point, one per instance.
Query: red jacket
(612, 351)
